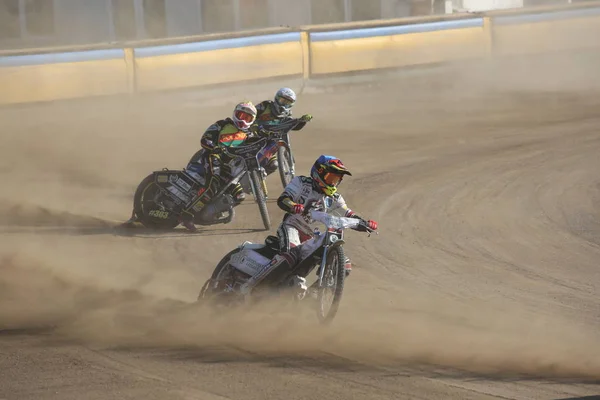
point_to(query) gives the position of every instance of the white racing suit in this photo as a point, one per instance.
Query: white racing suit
(296, 229)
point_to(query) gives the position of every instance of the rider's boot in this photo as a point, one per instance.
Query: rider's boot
(298, 284)
(187, 220)
(347, 267)
(279, 266)
(132, 220)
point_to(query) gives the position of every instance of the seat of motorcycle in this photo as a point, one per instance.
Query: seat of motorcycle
(272, 241)
(271, 248)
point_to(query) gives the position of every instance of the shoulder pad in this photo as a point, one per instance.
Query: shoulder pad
(262, 105)
(305, 179)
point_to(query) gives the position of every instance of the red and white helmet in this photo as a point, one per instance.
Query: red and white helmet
(244, 115)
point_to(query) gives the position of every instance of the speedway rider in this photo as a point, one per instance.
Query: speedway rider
(210, 165)
(277, 111)
(319, 191)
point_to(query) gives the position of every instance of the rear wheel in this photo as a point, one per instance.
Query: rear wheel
(150, 213)
(330, 293)
(286, 165)
(257, 182)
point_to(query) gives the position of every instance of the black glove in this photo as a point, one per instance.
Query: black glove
(265, 133)
(217, 150)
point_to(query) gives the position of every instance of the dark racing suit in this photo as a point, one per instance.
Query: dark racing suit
(210, 166)
(268, 118)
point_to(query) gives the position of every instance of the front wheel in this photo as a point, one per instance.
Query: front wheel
(286, 165)
(218, 286)
(257, 182)
(330, 293)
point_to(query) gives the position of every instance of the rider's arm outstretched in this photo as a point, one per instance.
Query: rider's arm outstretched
(340, 204)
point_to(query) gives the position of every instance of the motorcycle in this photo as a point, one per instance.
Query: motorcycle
(324, 251)
(161, 197)
(281, 145)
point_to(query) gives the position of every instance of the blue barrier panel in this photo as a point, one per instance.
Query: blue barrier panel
(59, 58)
(395, 30)
(219, 44)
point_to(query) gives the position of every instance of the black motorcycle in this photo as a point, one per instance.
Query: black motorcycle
(162, 196)
(280, 144)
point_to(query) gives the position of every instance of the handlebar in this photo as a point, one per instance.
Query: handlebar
(245, 149)
(283, 127)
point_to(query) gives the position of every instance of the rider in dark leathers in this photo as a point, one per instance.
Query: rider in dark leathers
(271, 113)
(210, 166)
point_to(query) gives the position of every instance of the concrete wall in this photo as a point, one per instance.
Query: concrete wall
(306, 53)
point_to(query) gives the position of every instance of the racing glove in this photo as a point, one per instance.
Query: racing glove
(365, 226)
(306, 118)
(262, 132)
(297, 209)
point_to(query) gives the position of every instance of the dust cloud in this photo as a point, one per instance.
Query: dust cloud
(69, 171)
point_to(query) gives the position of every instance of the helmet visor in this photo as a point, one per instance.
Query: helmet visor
(284, 101)
(244, 116)
(332, 179)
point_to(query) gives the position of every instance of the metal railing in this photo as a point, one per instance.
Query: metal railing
(42, 23)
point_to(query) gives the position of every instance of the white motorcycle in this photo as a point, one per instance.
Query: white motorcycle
(324, 251)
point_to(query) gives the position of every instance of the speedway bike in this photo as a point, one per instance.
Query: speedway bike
(324, 252)
(161, 197)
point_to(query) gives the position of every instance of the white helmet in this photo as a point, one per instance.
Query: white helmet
(285, 98)
(244, 115)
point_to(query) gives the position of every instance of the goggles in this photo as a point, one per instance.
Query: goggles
(332, 178)
(284, 101)
(244, 116)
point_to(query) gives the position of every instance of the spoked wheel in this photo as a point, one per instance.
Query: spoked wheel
(149, 210)
(216, 291)
(257, 181)
(330, 293)
(286, 165)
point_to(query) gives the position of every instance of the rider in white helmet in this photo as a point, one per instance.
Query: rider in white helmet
(274, 112)
(210, 165)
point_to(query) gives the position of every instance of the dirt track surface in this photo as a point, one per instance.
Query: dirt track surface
(482, 283)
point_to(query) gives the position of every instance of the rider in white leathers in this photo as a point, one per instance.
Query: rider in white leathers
(319, 191)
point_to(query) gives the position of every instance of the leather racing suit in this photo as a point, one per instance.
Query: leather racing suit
(210, 166)
(267, 118)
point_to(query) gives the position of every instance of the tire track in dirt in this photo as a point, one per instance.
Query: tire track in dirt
(480, 285)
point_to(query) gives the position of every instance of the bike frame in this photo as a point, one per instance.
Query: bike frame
(250, 163)
(283, 131)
